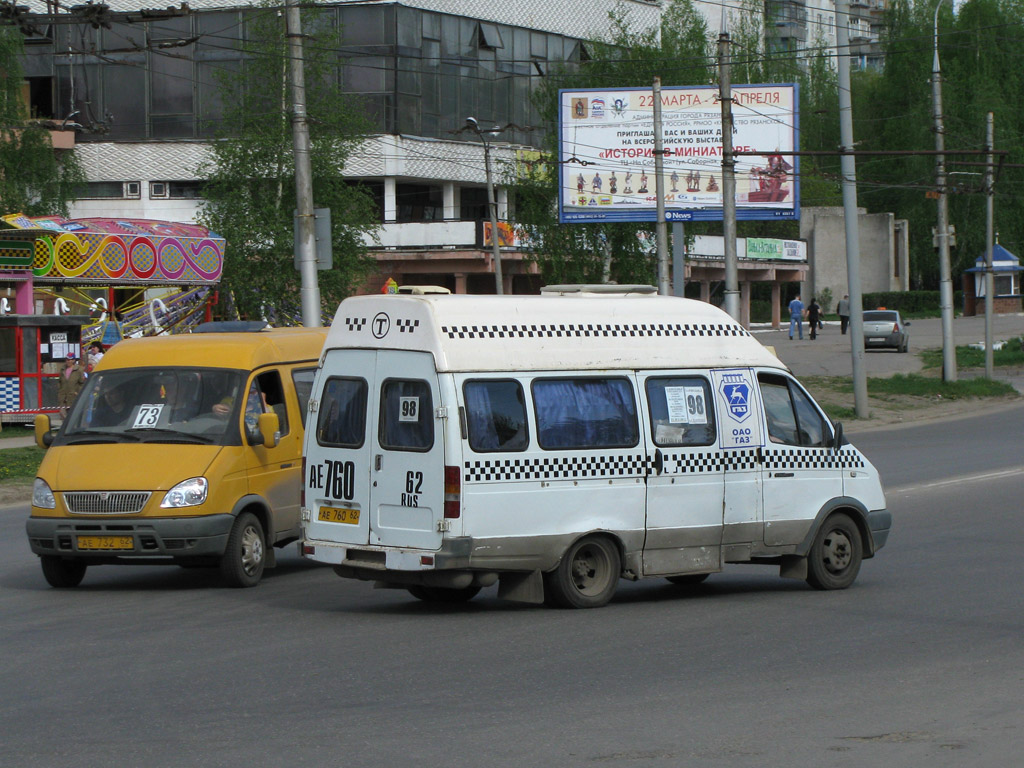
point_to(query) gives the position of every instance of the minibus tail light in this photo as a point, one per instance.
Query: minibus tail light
(452, 493)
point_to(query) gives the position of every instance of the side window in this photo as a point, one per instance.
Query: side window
(302, 378)
(266, 394)
(585, 413)
(496, 416)
(342, 420)
(681, 412)
(792, 417)
(813, 430)
(406, 416)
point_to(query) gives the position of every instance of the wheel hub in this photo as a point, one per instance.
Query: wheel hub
(836, 551)
(252, 550)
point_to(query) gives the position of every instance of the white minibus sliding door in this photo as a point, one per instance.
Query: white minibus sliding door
(685, 484)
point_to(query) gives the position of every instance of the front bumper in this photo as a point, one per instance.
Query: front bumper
(168, 537)
(880, 523)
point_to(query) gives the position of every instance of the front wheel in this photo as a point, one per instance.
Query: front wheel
(835, 557)
(62, 573)
(246, 553)
(587, 575)
(443, 594)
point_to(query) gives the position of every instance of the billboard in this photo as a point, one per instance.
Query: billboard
(606, 153)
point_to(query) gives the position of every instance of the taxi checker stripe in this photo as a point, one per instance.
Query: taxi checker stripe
(556, 467)
(811, 458)
(628, 330)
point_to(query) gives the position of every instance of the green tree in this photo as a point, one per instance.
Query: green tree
(35, 179)
(581, 253)
(975, 45)
(250, 178)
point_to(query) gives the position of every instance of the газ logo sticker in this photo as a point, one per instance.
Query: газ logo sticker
(736, 389)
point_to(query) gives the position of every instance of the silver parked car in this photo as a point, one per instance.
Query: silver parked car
(885, 328)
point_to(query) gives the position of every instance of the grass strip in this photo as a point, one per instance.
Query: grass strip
(1011, 354)
(20, 463)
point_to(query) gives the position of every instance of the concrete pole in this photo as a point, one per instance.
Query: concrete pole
(678, 259)
(990, 279)
(660, 230)
(310, 288)
(848, 168)
(732, 287)
(942, 226)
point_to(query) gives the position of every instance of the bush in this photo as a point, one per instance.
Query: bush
(911, 303)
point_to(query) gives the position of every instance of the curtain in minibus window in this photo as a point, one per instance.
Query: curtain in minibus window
(496, 416)
(342, 420)
(585, 413)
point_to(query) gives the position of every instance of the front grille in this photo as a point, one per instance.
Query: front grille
(106, 502)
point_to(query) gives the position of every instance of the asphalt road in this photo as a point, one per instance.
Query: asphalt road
(920, 663)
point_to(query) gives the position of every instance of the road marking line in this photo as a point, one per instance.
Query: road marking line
(957, 480)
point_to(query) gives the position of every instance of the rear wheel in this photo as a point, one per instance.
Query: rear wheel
(835, 557)
(246, 553)
(443, 594)
(587, 575)
(61, 572)
(689, 579)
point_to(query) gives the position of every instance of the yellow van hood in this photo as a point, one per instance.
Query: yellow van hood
(124, 466)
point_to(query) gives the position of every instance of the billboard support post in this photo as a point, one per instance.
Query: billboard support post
(732, 283)
(660, 231)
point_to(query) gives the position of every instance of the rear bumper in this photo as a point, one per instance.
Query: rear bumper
(170, 537)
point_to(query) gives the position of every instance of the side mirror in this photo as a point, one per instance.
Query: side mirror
(43, 431)
(906, 322)
(837, 439)
(269, 429)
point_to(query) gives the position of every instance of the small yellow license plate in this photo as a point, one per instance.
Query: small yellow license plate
(106, 542)
(339, 515)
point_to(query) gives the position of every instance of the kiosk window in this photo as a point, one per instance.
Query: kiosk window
(496, 416)
(681, 411)
(585, 413)
(342, 420)
(406, 416)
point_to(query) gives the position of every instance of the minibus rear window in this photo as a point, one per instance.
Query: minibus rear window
(496, 416)
(342, 421)
(585, 413)
(406, 416)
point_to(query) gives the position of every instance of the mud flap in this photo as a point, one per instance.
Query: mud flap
(522, 587)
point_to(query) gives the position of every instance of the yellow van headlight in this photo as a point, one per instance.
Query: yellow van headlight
(42, 496)
(187, 493)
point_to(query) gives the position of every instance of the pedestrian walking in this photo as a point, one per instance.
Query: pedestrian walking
(814, 317)
(796, 317)
(843, 310)
(69, 384)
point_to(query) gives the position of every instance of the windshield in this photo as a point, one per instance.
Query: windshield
(193, 405)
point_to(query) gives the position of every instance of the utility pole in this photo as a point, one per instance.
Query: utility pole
(732, 283)
(942, 227)
(306, 235)
(492, 206)
(660, 231)
(989, 244)
(848, 167)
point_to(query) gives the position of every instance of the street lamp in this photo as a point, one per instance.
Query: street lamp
(942, 224)
(492, 205)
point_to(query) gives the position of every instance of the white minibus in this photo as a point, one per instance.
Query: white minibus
(557, 443)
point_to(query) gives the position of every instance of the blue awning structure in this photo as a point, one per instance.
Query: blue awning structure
(1002, 261)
